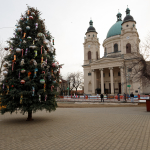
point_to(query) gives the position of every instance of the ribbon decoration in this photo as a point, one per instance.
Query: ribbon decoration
(33, 90)
(29, 73)
(44, 87)
(21, 98)
(13, 61)
(26, 51)
(41, 49)
(24, 35)
(45, 97)
(7, 89)
(35, 70)
(52, 87)
(22, 52)
(40, 98)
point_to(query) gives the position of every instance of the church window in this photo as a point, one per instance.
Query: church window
(89, 35)
(128, 48)
(89, 55)
(127, 25)
(116, 48)
(118, 73)
(97, 55)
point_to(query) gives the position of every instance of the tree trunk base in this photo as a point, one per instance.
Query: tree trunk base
(29, 116)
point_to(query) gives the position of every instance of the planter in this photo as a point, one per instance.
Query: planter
(148, 104)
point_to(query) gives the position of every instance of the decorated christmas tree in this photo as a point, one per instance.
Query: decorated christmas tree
(31, 73)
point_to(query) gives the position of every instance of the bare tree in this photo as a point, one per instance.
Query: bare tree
(75, 81)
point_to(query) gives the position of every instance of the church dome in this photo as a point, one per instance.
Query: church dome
(116, 28)
(91, 28)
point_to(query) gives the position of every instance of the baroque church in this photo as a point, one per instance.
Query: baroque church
(111, 73)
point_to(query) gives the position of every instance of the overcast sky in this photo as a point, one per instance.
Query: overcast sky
(68, 20)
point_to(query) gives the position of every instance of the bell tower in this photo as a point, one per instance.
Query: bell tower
(91, 45)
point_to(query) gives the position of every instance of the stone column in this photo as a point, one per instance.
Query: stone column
(102, 81)
(112, 81)
(93, 82)
(122, 79)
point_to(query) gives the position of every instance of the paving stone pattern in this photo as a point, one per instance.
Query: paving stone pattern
(123, 128)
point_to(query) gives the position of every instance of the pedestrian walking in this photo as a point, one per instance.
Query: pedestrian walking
(102, 97)
(132, 97)
(124, 96)
(118, 97)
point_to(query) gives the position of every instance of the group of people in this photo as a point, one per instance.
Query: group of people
(126, 96)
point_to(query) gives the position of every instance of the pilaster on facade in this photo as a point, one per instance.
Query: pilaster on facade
(112, 80)
(102, 81)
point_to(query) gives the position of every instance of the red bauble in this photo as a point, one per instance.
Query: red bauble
(30, 17)
(53, 64)
(22, 81)
(12, 86)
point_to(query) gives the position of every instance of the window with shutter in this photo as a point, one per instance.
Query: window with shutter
(97, 55)
(116, 48)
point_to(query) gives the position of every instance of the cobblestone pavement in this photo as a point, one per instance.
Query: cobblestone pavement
(115, 128)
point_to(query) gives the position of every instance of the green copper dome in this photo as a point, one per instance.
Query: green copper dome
(116, 28)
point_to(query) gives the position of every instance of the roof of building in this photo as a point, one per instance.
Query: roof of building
(115, 29)
(91, 28)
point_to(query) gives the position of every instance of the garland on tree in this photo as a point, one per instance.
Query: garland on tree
(31, 71)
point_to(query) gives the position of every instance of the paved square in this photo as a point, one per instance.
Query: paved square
(111, 128)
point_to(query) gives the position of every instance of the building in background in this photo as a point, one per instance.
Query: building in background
(111, 74)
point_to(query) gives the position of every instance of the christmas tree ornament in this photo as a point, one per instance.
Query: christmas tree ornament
(55, 71)
(42, 81)
(27, 18)
(18, 50)
(19, 29)
(31, 17)
(42, 59)
(28, 27)
(33, 14)
(40, 35)
(14, 57)
(23, 70)
(22, 62)
(35, 63)
(32, 46)
(28, 12)
(33, 42)
(41, 49)
(22, 52)
(7, 89)
(26, 51)
(33, 90)
(24, 42)
(35, 70)
(36, 26)
(54, 81)
(53, 41)
(29, 73)
(5, 73)
(22, 81)
(21, 19)
(40, 98)
(44, 87)
(60, 81)
(35, 53)
(45, 97)
(21, 98)
(13, 62)
(29, 38)
(6, 48)
(52, 87)
(5, 65)
(24, 35)
(53, 65)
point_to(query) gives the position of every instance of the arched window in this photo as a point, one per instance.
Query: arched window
(116, 48)
(89, 55)
(128, 48)
(97, 55)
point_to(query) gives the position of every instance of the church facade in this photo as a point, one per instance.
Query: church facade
(111, 73)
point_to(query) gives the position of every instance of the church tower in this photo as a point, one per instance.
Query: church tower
(91, 45)
(129, 35)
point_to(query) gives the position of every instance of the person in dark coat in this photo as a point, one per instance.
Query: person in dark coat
(132, 97)
(118, 97)
(102, 97)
